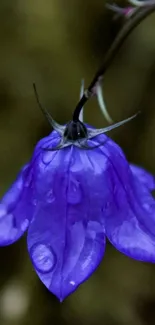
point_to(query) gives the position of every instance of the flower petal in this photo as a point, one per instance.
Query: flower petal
(15, 209)
(145, 177)
(124, 229)
(130, 225)
(66, 238)
(18, 204)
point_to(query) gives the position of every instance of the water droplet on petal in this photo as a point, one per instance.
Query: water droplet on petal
(50, 196)
(28, 179)
(107, 205)
(93, 228)
(24, 225)
(47, 157)
(74, 194)
(34, 202)
(115, 189)
(146, 206)
(43, 257)
(3, 210)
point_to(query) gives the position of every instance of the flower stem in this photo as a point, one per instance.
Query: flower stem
(142, 13)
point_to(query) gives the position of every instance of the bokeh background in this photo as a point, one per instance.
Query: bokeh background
(56, 43)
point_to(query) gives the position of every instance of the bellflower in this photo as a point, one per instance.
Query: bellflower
(78, 189)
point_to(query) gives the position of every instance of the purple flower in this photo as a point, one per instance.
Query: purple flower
(71, 199)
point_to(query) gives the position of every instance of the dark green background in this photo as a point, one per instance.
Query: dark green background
(56, 43)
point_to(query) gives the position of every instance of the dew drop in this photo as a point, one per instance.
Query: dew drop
(93, 228)
(146, 206)
(34, 202)
(92, 224)
(107, 205)
(28, 179)
(50, 196)
(24, 225)
(47, 157)
(74, 192)
(115, 189)
(43, 258)
(3, 210)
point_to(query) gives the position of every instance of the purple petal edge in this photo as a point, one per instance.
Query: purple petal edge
(143, 176)
(15, 209)
(130, 225)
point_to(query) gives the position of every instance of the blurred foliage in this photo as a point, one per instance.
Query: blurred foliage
(56, 43)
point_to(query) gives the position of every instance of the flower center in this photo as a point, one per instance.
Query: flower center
(75, 130)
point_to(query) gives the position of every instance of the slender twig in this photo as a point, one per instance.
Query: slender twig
(139, 3)
(142, 13)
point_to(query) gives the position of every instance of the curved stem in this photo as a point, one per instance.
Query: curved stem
(142, 13)
(139, 3)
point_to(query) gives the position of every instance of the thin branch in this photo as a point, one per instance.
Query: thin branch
(139, 3)
(142, 13)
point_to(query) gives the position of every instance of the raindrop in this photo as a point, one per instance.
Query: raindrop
(147, 206)
(74, 195)
(24, 225)
(34, 201)
(93, 228)
(115, 189)
(50, 196)
(43, 258)
(47, 157)
(107, 205)
(28, 178)
(3, 210)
